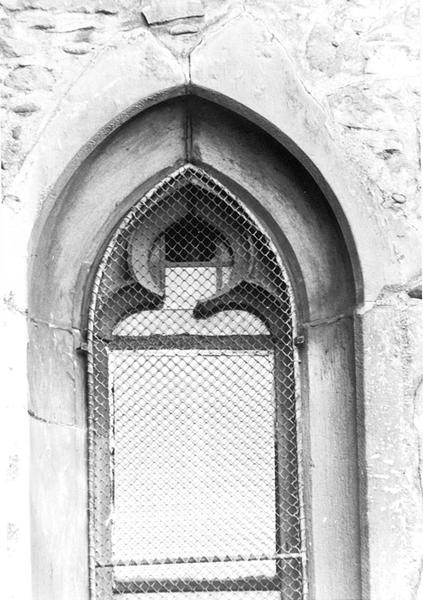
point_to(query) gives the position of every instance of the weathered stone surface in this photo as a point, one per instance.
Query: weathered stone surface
(74, 22)
(78, 48)
(16, 132)
(399, 198)
(84, 36)
(41, 20)
(388, 59)
(25, 108)
(53, 363)
(11, 48)
(63, 449)
(108, 7)
(12, 201)
(393, 328)
(13, 4)
(333, 461)
(59, 5)
(182, 28)
(297, 116)
(10, 149)
(322, 49)
(29, 78)
(141, 67)
(15, 486)
(162, 11)
(415, 291)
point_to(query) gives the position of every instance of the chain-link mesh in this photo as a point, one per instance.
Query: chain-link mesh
(193, 452)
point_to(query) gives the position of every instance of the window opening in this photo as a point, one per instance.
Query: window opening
(193, 462)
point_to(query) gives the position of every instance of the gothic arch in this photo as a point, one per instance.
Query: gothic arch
(285, 198)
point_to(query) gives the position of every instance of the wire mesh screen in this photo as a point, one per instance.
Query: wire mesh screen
(194, 488)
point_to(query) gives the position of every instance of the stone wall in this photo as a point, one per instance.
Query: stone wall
(358, 61)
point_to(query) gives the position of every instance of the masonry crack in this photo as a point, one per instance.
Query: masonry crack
(32, 414)
(328, 321)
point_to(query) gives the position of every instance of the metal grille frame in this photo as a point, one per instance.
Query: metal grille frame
(271, 300)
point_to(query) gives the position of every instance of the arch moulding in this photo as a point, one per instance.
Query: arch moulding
(283, 196)
(260, 85)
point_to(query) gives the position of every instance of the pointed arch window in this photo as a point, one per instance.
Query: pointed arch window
(193, 454)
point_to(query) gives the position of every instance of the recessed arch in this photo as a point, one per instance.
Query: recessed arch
(340, 204)
(208, 121)
(292, 208)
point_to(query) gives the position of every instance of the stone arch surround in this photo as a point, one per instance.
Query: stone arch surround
(263, 86)
(283, 195)
(261, 82)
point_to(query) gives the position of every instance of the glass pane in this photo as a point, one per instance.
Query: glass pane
(194, 463)
(216, 570)
(176, 322)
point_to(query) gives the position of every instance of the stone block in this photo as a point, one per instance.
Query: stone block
(322, 49)
(31, 77)
(53, 375)
(391, 375)
(108, 7)
(163, 11)
(331, 427)
(59, 5)
(12, 47)
(13, 4)
(59, 511)
(25, 108)
(78, 48)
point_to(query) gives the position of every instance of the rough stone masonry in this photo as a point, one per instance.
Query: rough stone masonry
(358, 61)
